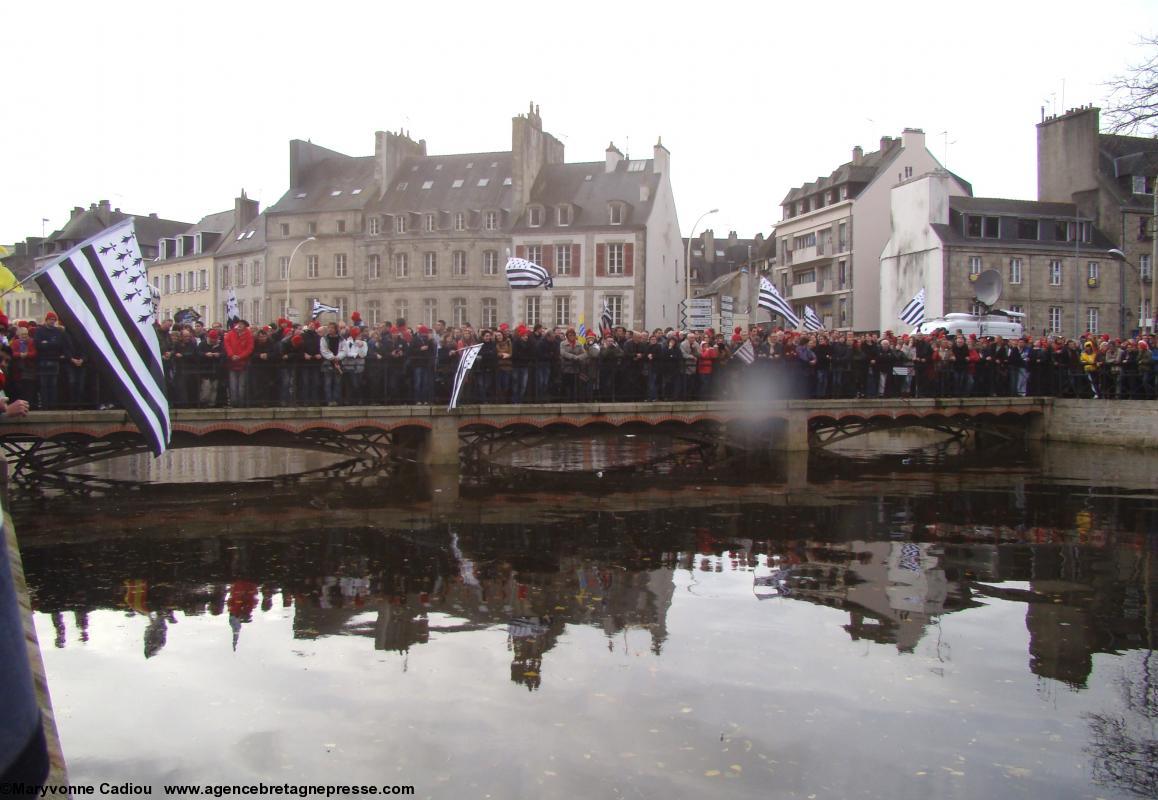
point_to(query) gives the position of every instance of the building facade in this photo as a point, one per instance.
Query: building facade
(832, 232)
(1111, 180)
(406, 235)
(1052, 259)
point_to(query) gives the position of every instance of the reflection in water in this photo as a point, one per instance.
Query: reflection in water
(751, 629)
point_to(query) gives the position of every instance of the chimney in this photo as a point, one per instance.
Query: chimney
(913, 138)
(531, 150)
(613, 157)
(885, 142)
(662, 158)
(709, 246)
(76, 212)
(390, 151)
(732, 238)
(857, 154)
(244, 211)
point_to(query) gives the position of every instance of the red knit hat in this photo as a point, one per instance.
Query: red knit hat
(355, 332)
(51, 315)
(213, 334)
(423, 329)
(296, 341)
(355, 317)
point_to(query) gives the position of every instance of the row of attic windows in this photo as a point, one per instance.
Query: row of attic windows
(816, 201)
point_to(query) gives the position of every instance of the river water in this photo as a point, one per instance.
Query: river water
(900, 619)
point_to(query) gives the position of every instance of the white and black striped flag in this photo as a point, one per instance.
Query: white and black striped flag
(232, 315)
(524, 274)
(745, 352)
(321, 308)
(914, 313)
(465, 362)
(605, 319)
(811, 321)
(773, 302)
(100, 289)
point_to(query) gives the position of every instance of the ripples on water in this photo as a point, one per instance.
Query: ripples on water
(927, 622)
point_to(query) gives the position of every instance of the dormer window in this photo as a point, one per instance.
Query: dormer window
(1143, 184)
(491, 221)
(400, 223)
(563, 215)
(615, 213)
(429, 223)
(535, 216)
(460, 221)
(843, 192)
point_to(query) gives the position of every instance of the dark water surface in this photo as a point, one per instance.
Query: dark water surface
(933, 623)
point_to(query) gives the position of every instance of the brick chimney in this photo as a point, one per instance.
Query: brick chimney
(244, 211)
(662, 158)
(857, 154)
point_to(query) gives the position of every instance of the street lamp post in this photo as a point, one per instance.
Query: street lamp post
(688, 260)
(289, 270)
(1120, 257)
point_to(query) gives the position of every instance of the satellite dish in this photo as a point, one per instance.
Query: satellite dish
(987, 287)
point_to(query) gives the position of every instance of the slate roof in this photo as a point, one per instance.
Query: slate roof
(407, 195)
(97, 218)
(863, 172)
(588, 188)
(252, 238)
(336, 183)
(951, 234)
(1022, 208)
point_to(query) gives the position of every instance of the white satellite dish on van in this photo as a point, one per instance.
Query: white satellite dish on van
(987, 288)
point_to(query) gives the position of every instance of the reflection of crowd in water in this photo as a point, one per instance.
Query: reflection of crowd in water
(402, 591)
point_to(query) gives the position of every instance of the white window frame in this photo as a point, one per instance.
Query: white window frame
(459, 221)
(1055, 319)
(1145, 269)
(616, 264)
(283, 268)
(458, 313)
(535, 253)
(490, 312)
(374, 225)
(204, 280)
(491, 219)
(562, 309)
(401, 308)
(430, 264)
(429, 223)
(615, 214)
(401, 265)
(562, 259)
(535, 216)
(490, 262)
(1014, 271)
(563, 216)
(974, 265)
(429, 311)
(341, 267)
(400, 223)
(458, 264)
(615, 308)
(373, 267)
(532, 307)
(1092, 322)
(1055, 273)
(312, 270)
(1092, 270)
(258, 273)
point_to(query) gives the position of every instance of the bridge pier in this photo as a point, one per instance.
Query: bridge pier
(794, 434)
(441, 446)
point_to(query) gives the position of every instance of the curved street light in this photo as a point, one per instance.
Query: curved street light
(289, 271)
(688, 258)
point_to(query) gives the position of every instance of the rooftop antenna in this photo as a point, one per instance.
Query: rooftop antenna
(627, 150)
(945, 136)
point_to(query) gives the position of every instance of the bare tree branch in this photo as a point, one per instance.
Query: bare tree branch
(1132, 99)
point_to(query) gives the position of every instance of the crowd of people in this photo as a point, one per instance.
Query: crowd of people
(348, 363)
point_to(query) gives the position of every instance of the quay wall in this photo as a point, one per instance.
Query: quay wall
(1119, 423)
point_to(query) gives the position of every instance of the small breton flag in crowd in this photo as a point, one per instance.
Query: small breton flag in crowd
(774, 303)
(100, 290)
(321, 308)
(914, 313)
(605, 319)
(524, 274)
(745, 352)
(465, 362)
(232, 315)
(811, 321)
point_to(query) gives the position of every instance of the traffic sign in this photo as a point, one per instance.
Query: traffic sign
(698, 303)
(725, 302)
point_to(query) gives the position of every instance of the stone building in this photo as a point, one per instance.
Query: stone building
(404, 234)
(1052, 260)
(184, 270)
(832, 231)
(239, 264)
(1111, 180)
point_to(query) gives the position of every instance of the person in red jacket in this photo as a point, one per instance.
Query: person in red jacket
(238, 349)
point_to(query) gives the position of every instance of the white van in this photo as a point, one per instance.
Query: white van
(1002, 325)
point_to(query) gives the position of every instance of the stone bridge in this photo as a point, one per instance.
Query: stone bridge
(60, 440)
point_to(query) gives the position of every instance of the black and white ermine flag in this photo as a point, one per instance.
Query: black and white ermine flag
(524, 274)
(914, 313)
(773, 302)
(232, 315)
(321, 308)
(811, 321)
(100, 290)
(605, 319)
(745, 352)
(465, 362)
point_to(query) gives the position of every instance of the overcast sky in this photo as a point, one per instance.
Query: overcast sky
(174, 108)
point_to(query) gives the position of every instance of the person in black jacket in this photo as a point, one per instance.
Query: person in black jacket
(486, 363)
(522, 363)
(50, 353)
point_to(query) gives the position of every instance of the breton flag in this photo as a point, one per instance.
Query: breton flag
(914, 313)
(745, 352)
(101, 291)
(524, 274)
(605, 319)
(186, 316)
(232, 315)
(465, 362)
(811, 321)
(774, 303)
(321, 308)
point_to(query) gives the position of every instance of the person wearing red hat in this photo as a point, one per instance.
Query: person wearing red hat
(50, 354)
(522, 359)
